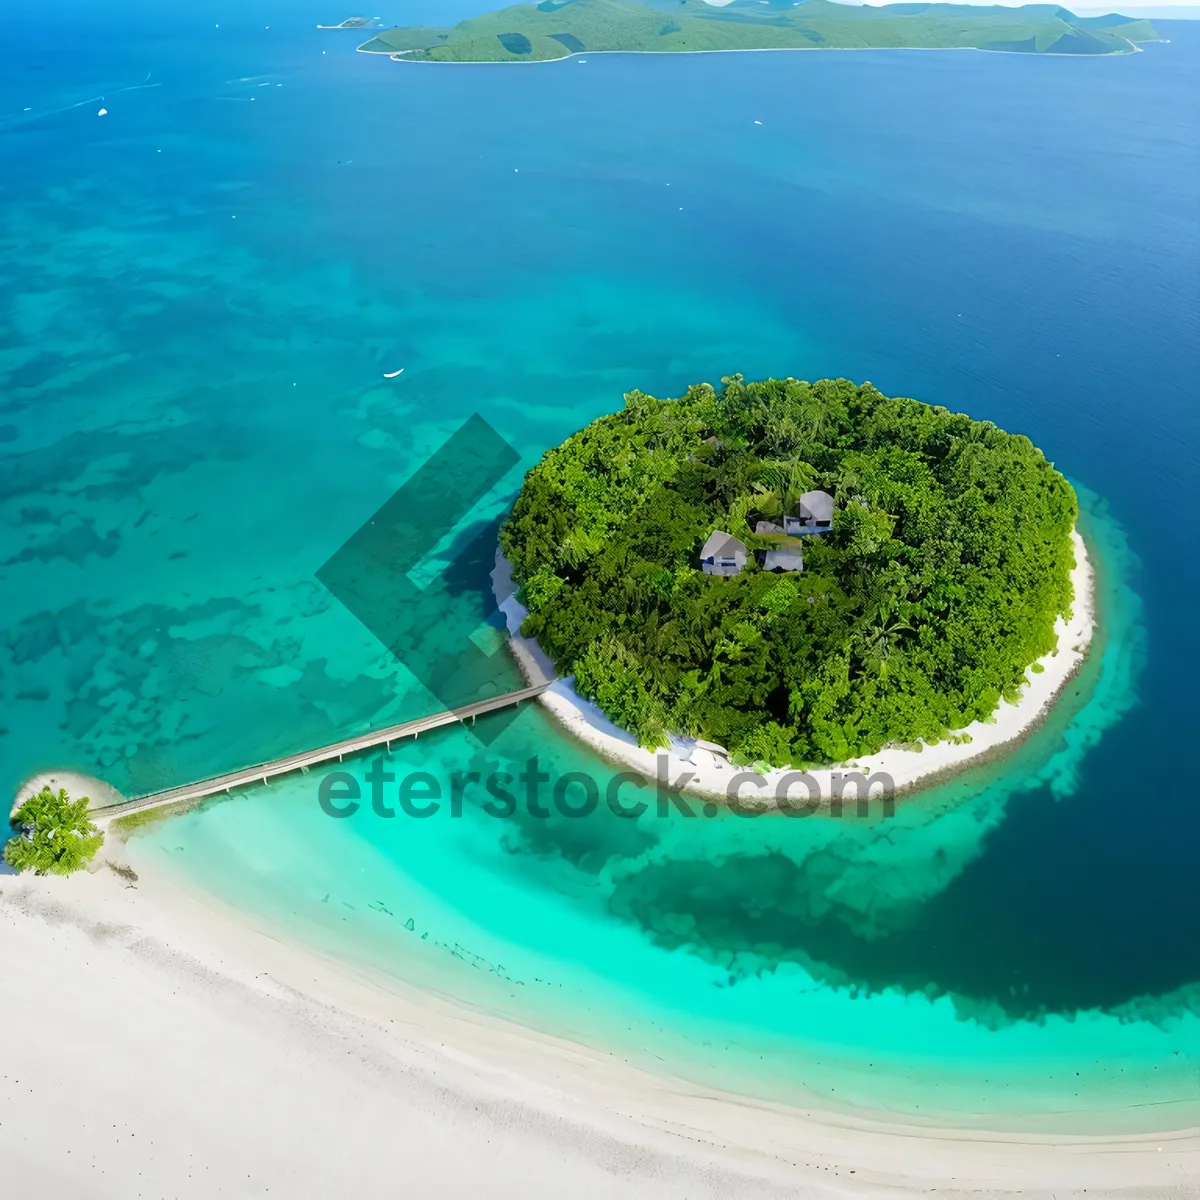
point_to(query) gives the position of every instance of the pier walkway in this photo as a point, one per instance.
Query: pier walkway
(264, 772)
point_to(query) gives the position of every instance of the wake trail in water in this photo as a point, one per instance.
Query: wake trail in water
(30, 115)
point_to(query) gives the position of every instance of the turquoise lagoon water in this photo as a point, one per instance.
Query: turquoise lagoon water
(202, 292)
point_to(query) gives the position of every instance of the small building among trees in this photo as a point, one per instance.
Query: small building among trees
(786, 555)
(814, 515)
(722, 554)
(787, 558)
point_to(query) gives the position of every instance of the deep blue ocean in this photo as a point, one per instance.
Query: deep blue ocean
(201, 291)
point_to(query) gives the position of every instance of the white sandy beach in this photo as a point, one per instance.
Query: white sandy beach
(153, 1043)
(908, 768)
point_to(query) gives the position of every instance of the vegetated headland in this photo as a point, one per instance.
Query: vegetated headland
(785, 576)
(556, 29)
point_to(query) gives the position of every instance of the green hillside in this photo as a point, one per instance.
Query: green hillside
(554, 29)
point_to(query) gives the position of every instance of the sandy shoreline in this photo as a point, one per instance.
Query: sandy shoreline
(909, 769)
(199, 1055)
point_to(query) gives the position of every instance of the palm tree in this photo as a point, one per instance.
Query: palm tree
(815, 419)
(782, 436)
(847, 483)
(879, 643)
(801, 478)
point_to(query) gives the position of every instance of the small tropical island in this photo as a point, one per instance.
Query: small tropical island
(798, 574)
(556, 29)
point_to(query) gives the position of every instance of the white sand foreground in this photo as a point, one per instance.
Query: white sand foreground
(153, 1043)
(711, 775)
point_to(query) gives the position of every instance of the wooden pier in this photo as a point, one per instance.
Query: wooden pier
(263, 773)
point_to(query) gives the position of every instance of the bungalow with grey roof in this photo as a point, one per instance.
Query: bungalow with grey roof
(783, 557)
(722, 554)
(787, 558)
(814, 515)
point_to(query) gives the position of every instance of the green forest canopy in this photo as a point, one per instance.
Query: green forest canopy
(557, 28)
(938, 585)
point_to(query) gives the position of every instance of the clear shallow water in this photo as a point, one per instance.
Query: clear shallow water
(202, 292)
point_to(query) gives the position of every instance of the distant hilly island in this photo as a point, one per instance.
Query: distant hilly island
(559, 28)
